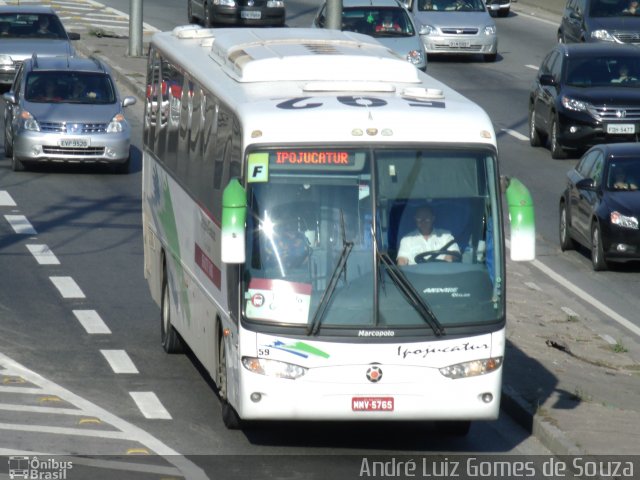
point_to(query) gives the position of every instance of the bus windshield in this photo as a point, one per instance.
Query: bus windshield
(338, 239)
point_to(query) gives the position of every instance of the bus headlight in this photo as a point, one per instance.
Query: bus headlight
(273, 368)
(472, 369)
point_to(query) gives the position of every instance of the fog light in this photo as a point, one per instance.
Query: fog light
(36, 150)
(487, 397)
(573, 129)
(621, 247)
(109, 152)
(255, 397)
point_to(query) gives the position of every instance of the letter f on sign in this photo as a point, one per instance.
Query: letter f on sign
(258, 167)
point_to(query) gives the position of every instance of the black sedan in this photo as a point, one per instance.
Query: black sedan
(585, 94)
(600, 205)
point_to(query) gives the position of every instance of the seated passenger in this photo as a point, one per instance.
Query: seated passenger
(632, 8)
(624, 75)
(426, 239)
(288, 247)
(621, 182)
(388, 24)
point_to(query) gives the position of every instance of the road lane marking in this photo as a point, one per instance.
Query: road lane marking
(43, 255)
(119, 361)
(91, 322)
(150, 405)
(20, 224)
(532, 67)
(67, 287)
(615, 316)
(515, 134)
(6, 200)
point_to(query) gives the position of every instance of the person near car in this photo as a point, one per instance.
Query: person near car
(425, 239)
(388, 24)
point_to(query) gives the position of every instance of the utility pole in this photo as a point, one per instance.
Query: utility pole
(334, 14)
(135, 28)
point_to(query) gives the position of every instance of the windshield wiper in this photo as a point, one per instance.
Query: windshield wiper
(314, 325)
(411, 294)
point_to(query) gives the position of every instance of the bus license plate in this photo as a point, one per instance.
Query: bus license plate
(250, 14)
(74, 142)
(372, 404)
(459, 43)
(621, 128)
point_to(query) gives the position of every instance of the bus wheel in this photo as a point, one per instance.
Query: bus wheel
(171, 341)
(230, 417)
(455, 428)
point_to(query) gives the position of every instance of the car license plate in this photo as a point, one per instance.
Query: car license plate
(459, 43)
(372, 404)
(250, 14)
(74, 142)
(621, 128)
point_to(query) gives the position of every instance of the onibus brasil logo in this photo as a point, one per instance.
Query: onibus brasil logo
(38, 469)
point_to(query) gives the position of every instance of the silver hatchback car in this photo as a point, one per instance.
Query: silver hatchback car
(456, 27)
(66, 109)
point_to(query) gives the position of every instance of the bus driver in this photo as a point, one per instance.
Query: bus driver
(426, 239)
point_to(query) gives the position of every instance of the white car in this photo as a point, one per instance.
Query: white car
(456, 27)
(388, 21)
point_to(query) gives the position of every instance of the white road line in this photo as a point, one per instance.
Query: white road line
(64, 430)
(91, 322)
(515, 134)
(67, 287)
(20, 224)
(6, 200)
(43, 255)
(150, 405)
(569, 312)
(532, 67)
(119, 361)
(533, 286)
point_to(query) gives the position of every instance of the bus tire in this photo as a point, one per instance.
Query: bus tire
(455, 428)
(230, 417)
(170, 338)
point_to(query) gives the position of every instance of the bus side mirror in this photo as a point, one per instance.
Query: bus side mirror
(234, 215)
(521, 220)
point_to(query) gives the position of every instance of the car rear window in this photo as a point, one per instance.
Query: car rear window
(69, 87)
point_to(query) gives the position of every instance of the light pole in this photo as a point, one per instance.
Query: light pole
(135, 28)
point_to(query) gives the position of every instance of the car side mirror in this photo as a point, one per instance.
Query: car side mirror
(547, 80)
(127, 101)
(9, 97)
(585, 184)
(73, 35)
(575, 15)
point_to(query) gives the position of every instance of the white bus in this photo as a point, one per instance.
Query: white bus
(282, 168)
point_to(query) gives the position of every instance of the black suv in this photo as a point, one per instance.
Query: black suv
(599, 20)
(585, 94)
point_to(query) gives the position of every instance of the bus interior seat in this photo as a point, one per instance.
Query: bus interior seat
(462, 217)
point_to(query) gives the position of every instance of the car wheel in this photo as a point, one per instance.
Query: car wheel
(597, 252)
(207, 16)
(566, 242)
(557, 151)
(230, 417)
(8, 146)
(171, 341)
(503, 13)
(490, 57)
(534, 136)
(190, 17)
(16, 163)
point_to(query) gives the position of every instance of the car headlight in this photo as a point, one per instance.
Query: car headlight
(428, 30)
(623, 220)
(573, 104)
(226, 3)
(273, 368)
(6, 60)
(472, 369)
(29, 122)
(117, 124)
(490, 30)
(275, 4)
(415, 57)
(602, 35)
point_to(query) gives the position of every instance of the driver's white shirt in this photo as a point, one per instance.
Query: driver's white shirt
(415, 243)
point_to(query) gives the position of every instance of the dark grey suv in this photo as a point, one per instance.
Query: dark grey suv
(599, 21)
(28, 29)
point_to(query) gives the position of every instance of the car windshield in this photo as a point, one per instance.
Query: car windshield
(330, 227)
(624, 174)
(377, 21)
(451, 6)
(613, 8)
(31, 25)
(69, 87)
(603, 72)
